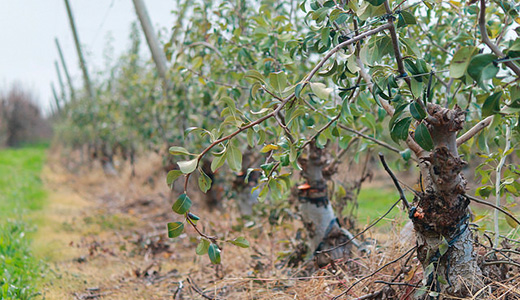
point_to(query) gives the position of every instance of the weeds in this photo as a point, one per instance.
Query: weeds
(21, 190)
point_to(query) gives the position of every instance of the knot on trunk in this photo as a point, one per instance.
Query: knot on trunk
(434, 214)
(451, 120)
(445, 172)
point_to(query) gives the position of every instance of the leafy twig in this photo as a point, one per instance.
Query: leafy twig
(488, 42)
(286, 100)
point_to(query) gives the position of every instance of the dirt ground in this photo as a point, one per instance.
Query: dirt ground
(105, 238)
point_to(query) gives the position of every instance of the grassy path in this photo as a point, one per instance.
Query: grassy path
(21, 194)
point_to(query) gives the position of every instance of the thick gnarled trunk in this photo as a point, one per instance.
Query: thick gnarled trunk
(440, 213)
(326, 237)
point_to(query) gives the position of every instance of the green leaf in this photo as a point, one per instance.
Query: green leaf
(491, 105)
(423, 137)
(459, 63)
(443, 247)
(484, 191)
(482, 67)
(228, 102)
(278, 81)
(218, 161)
(172, 176)
(214, 254)
(182, 205)
(320, 90)
(174, 150)
(202, 247)
(193, 217)
(234, 158)
(188, 166)
(510, 221)
(175, 229)
(405, 18)
(298, 90)
(376, 2)
(400, 129)
(204, 182)
(240, 242)
(255, 75)
(406, 154)
(417, 111)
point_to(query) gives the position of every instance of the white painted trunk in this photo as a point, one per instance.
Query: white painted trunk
(319, 218)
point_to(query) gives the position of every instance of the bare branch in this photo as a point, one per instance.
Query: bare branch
(363, 231)
(396, 182)
(505, 212)
(380, 143)
(198, 290)
(208, 45)
(501, 262)
(373, 273)
(395, 43)
(474, 130)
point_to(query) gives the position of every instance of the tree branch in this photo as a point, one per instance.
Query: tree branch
(395, 43)
(505, 212)
(474, 130)
(363, 231)
(373, 273)
(396, 182)
(380, 143)
(286, 100)
(489, 43)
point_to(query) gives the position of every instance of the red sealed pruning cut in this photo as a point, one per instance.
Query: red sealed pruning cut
(419, 213)
(304, 186)
(240, 173)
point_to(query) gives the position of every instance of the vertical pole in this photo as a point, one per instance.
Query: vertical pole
(56, 99)
(64, 65)
(153, 43)
(60, 81)
(88, 86)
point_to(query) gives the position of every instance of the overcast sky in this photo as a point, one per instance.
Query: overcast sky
(28, 29)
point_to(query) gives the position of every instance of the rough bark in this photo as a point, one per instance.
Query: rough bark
(440, 213)
(323, 229)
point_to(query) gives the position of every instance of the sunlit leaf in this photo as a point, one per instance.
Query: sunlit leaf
(188, 166)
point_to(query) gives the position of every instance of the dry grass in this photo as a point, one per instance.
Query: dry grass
(105, 238)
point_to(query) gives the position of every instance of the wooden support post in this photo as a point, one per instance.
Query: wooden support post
(153, 43)
(60, 81)
(56, 99)
(65, 69)
(88, 85)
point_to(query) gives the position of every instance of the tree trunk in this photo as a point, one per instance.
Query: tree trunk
(245, 197)
(440, 213)
(323, 229)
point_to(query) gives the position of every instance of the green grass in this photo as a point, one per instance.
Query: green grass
(375, 202)
(21, 192)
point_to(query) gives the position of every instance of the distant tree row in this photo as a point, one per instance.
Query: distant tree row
(21, 120)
